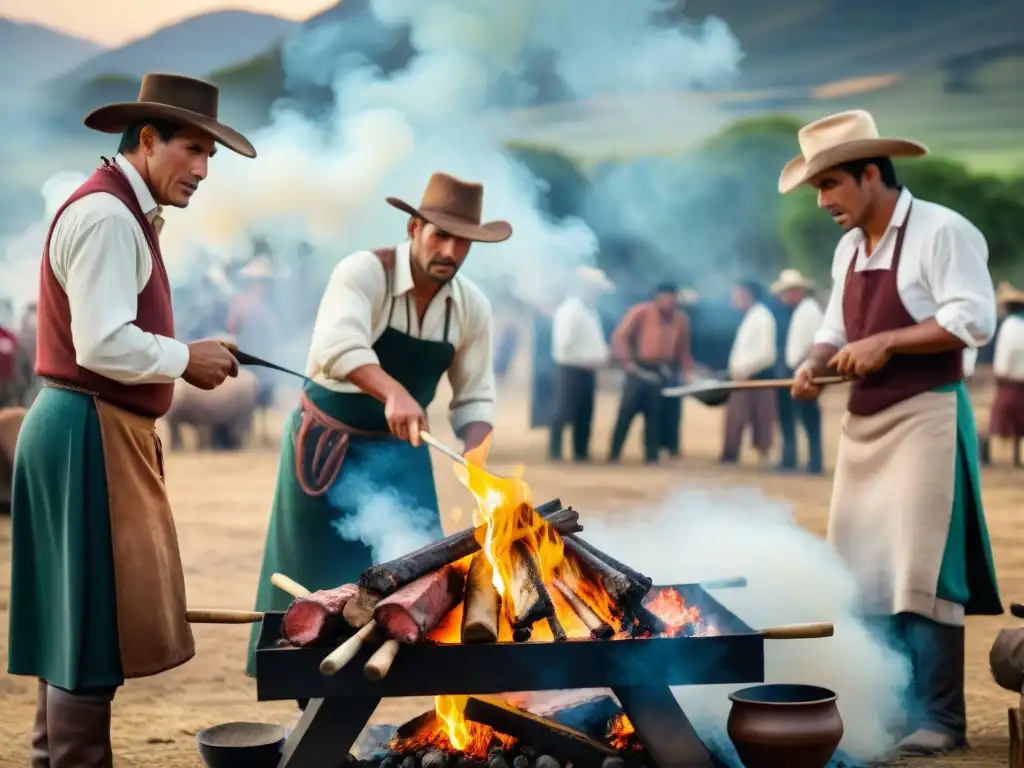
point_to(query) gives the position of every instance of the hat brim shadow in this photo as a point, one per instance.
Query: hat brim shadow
(115, 118)
(491, 232)
(799, 171)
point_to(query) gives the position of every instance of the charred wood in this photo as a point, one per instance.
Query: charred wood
(543, 735)
(599, 630)
(530, 601)
(359, 609)
(626, 593)
(385, 578)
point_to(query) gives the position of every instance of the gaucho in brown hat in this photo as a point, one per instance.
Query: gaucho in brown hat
(391, 323)
(911, 290)
(97, 590)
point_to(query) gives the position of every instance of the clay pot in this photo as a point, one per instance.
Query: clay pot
(797, 726)
(241, 745)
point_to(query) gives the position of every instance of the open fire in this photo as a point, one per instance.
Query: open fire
(528, 583)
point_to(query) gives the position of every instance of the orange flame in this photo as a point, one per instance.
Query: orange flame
(621, 733)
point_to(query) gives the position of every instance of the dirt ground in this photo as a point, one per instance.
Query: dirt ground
(222, 503)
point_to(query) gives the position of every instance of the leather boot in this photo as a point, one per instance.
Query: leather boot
(79, 729)
(39, 750)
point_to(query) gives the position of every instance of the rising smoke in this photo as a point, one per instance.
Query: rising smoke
(793, 577)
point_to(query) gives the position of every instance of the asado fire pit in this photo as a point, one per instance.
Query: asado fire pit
(637, 654)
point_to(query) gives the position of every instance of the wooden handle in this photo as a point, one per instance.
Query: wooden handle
(798, 631)
(220, 616)
(437, 445)
(344, 653)
(820, 381)
(380, 663)
(288, 585)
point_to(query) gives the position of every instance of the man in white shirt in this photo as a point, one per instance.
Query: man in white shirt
(911, 291)
(580, 349)
(1006, 420)
(97, 588)
(793, 290)
(753, 356)
(391, 323)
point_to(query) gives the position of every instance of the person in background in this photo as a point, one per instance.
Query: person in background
(579, 349)
(911, 291)
(794, 292)
(253, 327)
(753, 356)
(652, 342)
(97, 586)
(1006, 420)
(672, 407)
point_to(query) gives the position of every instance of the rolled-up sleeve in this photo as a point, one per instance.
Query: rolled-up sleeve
(343, 336)
(471, 373)
(957, 273)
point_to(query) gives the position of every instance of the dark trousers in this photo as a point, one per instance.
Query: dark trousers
(575, 388)
(671, 420)
(935, 697)
(639, 396)
(808, 413)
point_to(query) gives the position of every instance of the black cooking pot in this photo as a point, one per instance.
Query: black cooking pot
(241, 745)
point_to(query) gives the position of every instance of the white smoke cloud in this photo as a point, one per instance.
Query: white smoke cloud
(20, 254)
(325, 178)
(793, 577)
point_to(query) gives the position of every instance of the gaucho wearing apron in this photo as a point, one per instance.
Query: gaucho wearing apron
(336, 453)
(906, 511)
(97, 586)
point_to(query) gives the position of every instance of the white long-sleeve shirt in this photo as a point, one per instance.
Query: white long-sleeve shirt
(577, 337)
(803, 326)
(943, 272)
(754, 347)
(101, 259)
(1008, 361)
(353, 314)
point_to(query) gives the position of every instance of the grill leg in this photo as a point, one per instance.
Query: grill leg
(326, 732)
(663, 727)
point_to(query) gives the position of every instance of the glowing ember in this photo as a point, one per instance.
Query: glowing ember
(680, 618)
(621, 734)
(451, 732)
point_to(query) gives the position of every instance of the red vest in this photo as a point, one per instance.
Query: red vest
(55, 350)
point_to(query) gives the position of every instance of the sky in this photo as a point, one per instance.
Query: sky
(113, 23)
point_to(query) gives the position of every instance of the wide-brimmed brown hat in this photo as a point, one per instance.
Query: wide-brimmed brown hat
(455, 206)
(841, 138)
(174, 98)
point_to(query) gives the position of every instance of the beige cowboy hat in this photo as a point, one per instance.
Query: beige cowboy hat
(455, 206)
(837, 139)
(1007, 294)
(174, 98)
(791, 278)
(597, 278)
(688, 296)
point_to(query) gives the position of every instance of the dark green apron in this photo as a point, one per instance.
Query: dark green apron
(314, 538)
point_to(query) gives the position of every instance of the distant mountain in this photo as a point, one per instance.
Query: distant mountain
(31, 54)
(195, 47)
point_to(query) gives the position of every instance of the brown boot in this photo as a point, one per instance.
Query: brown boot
(39, 755)
(79, 729)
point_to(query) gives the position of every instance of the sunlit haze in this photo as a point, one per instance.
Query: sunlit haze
(113, 23)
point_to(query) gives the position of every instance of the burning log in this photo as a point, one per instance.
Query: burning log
(590, 716)
(611, 562)
(626, 591)
(529, 598)
(543, 735)
(385, 578)
(317, 617)
(480, 612)
(599, 630)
